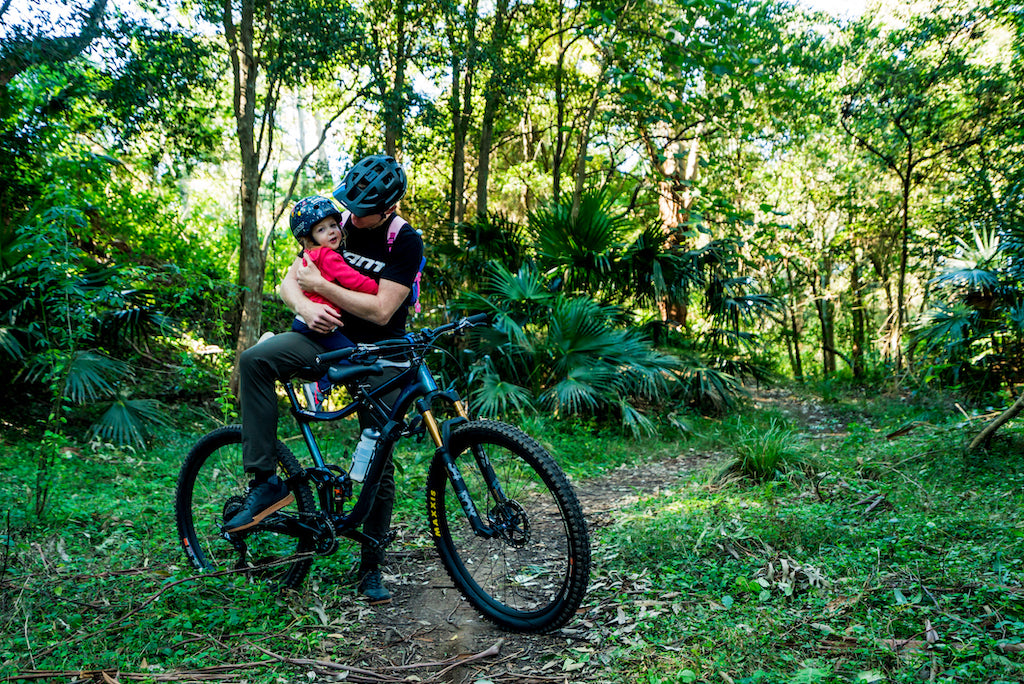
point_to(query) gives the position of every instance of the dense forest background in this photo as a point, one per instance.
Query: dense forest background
(755, 276)
(659, 200)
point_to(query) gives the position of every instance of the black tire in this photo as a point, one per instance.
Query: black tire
(211, 482)
(534, 577)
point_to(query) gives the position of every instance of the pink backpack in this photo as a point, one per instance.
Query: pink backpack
(394, 228)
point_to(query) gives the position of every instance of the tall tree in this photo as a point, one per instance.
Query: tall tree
(25, 46)
(908, 106)
(461, 33)
(271, 46)
(498, 54)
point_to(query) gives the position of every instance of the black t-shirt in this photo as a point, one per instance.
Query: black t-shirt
(366, 250)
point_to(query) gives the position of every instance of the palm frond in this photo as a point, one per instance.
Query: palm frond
(582, 246)
(974, 279)
(637, 423)
(1015, 315)
(572, 395)
(134, 323)
(524, 287)
(706, 386)
(494, 237)
(494, 398)
(10, 345)
(945, 326)
(129, 421)
(91, 376)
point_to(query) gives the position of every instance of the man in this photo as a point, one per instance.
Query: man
(370, 191)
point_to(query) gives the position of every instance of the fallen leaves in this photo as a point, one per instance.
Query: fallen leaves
(790, 577)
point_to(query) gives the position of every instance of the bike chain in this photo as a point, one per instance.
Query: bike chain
(320, 547)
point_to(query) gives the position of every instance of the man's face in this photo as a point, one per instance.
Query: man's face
(370, 221)
(327, 233)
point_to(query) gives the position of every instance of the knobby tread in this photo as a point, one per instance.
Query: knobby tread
(560, 611)
(191, 467)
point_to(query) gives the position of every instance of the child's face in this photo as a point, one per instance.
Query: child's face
(327, 233)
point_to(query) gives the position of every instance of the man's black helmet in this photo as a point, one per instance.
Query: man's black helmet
(372, 186)
(310, 211)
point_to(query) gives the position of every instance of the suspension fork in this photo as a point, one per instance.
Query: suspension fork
(441, 434)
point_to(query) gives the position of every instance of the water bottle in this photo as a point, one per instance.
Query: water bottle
(361, 456)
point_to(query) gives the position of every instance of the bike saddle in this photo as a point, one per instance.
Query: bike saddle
(343, 375)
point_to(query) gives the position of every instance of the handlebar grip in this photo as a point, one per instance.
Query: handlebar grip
(476, 319)
(336, 355)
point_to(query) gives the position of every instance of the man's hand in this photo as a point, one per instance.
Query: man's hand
(320, 317)
(308, 275)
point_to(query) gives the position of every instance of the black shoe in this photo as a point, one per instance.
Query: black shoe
(262, 500)
(373, 589)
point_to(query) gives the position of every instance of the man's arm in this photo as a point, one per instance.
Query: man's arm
(319, 317)
(375, 308)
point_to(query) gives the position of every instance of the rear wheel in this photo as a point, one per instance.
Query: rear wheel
(531, 576)
(211, 489)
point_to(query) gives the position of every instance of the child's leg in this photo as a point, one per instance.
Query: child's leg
(332, 341)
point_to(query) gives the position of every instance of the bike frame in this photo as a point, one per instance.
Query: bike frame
(415, 385)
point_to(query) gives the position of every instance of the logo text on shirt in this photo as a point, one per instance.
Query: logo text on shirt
(364, 263)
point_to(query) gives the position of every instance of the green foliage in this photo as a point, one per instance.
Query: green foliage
(565, 340)
(130, 421)
(63, 308)
(579, 246)
(831, 578)
(765, 452)
(567, 355)
(849, 562)
(972, 337)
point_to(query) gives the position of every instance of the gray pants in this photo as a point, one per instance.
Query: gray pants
(260, 367)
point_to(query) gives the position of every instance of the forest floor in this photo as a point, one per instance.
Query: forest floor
(428, 631)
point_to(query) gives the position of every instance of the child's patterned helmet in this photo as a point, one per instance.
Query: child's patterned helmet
(310, 211)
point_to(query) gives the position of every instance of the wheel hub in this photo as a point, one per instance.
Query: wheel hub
(512, 523)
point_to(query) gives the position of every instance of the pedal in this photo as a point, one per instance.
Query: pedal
(388, 538)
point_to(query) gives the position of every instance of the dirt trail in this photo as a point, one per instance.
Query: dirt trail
(428, 626)
(428, 622)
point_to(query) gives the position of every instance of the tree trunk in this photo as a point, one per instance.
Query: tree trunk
(985, 436)
(484, 165)
(559, 151)
(896, 340)
(583, 142)
(796, 361)
(251, 257)
(394, 104)
(674, 202)
(859, 327)
(461, 104)
(826, 318)
(492, 98)
(823, 307)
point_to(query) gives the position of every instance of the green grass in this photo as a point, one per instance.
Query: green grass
(838, 570)
(842, 574)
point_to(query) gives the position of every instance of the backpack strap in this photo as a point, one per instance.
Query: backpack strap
(394, 228)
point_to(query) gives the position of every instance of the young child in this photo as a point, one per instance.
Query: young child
(315, 224)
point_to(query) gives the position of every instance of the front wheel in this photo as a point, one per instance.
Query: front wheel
(532, 574)
(211, 489)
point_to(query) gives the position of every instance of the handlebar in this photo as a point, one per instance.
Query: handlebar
(421, 337)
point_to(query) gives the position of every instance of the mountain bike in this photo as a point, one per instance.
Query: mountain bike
(503, 517)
